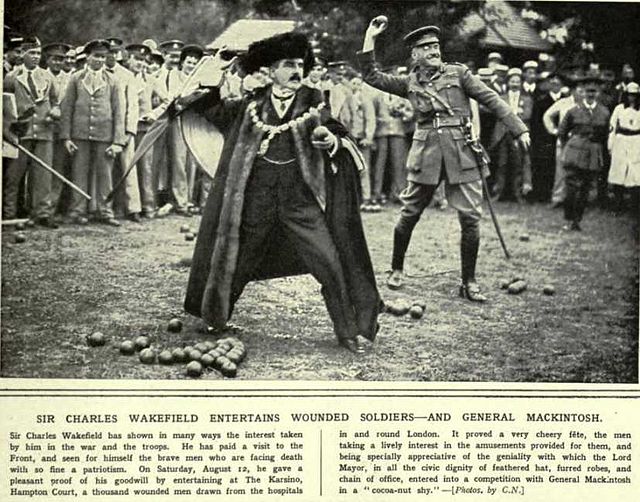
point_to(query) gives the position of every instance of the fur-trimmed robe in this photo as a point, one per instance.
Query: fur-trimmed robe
(334, 183)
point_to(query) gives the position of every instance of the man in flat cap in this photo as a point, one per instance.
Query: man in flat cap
(284, 199)
(37, 100)
(93, 127)
(512, 174)
(439, 93)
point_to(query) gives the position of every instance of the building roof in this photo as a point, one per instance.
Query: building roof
(239, 35)
(501, 26)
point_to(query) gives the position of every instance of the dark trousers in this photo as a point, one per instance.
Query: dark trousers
(276, 197)
(513, 169)
(579, 183)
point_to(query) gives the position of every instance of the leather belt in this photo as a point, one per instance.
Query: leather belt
(443, 121)
(627, 132)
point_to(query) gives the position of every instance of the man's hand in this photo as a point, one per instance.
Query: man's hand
(365, 143)
(327, 143)
(525, 140)
(114, 150)
(70, 146)
(376, 26)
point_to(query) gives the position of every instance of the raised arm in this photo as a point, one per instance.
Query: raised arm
(370, 71)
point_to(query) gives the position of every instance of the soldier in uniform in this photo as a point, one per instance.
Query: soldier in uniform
(93, 128)
(149, 108)
(583, 132)
(55, 57)
(439, 93)
(129, 200)
(37, 100)
(69, 65)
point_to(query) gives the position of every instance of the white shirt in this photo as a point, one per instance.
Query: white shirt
(282, 105)
(514, 101)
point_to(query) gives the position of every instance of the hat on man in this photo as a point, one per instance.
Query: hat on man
(191, 50)
(514, 72)
(530, 65)
(338, 66)
(632, 88)
(97, 45)
(485, 73)
(543, 56)
(422, 36)
(592, 77)
(138, 49)
(271, 50)
(157, 57)
(171, 46)
(318, 61)
(501, 68)
(30, 43)
(494, 56)
(71, 53)
(14, 41)
(57, 49)
(151, 44)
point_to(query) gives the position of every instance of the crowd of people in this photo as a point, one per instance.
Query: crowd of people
(84, 110)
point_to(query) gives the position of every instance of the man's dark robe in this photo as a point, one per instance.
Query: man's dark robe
(333, 182)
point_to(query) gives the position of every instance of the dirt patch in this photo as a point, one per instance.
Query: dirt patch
(61, 285)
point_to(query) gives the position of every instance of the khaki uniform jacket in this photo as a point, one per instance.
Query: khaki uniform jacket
(434, 146)
(584, 133)
(132, 110)
(45, 101)
(94, 116)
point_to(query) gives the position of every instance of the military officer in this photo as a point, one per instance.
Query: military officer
(93, 127)
(149, 101)
(69, 65)
(583, 132)
(55, 57)
(37, 98)
(439, 93)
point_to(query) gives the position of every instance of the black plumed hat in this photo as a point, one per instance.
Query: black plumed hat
(271, 50)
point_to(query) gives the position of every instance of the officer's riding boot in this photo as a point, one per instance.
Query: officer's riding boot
(401, 240)
(469, 245)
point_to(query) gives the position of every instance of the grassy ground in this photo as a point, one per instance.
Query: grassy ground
(61, 285)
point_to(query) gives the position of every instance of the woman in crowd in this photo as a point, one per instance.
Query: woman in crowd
(624, 145)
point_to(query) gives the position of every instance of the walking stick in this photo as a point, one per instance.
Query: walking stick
(44, 165)
(480, 162)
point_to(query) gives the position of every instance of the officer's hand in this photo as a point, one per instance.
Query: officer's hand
(364, 142)
(377, 25)
(70, 146)
(113, 150)
(525, 140)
